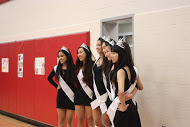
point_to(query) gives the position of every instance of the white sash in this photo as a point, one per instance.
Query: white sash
(70, 94)
(94, 84)
(112, 88)
(105, 83)
(99, 99)
(113, 107)
(86, 88)
(103, 106)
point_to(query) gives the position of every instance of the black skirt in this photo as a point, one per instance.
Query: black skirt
(63, 101)
(129, 118)
(81, 98)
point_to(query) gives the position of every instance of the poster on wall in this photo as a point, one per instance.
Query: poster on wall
(5, 65)
(40, 66)
(20, 65)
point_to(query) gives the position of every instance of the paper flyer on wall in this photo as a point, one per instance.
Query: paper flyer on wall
(5, 65)
(40, 66)
(20, 65)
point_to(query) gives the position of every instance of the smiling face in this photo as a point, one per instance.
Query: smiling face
(115, 57)
(108, 53)
(81, 54)
(62, 57)
(99, 47)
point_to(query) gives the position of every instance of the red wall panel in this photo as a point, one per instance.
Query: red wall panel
(4, 90)
(21, 87)
(12, 77)
(29, 78)
(33, 96)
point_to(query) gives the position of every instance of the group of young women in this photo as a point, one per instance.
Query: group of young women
(101, 89)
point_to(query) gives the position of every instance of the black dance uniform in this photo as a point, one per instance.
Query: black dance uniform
(62, 99)
(99, 80)
(130, 117)
(81, 98)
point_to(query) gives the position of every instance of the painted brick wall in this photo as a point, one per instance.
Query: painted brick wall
(22, 19)
(162, 52)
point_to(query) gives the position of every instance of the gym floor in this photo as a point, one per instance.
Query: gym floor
(6, 121)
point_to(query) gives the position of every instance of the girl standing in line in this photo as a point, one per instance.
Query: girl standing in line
(123, 78)
(63, 73)
(108, 55)
(107, 45)
(84, 89)
(100, 94)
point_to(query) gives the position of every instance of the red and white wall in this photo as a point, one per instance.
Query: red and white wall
(33, 96)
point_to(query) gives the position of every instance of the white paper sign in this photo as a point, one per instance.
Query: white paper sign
(5, 64)
(20, 65)
(40, 65)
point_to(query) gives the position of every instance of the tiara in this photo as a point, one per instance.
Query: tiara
(66, 49)
(104, 37)
(85, 46)
(112, 43)
(120, 43)
(108, 39)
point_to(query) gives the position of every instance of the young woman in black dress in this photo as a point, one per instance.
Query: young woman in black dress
(63, 73)
(84, 87)
(123, 76)
(99, 86)
(108, 55)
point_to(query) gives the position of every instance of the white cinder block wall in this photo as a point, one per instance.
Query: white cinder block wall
(161, 44)
(162, 58)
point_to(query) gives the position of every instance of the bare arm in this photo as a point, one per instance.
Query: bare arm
(129, 96)
(139, 84)
(121, 83)
(132, 94)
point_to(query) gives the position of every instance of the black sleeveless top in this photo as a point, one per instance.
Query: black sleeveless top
(127, 84)
(130, 117)
(98, 77)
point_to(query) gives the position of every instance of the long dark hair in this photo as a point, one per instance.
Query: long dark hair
(128, 54)
(125, 59)
(105, 61)
(70, 67)
(87, 67)
(101, 40)
(108, 64)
